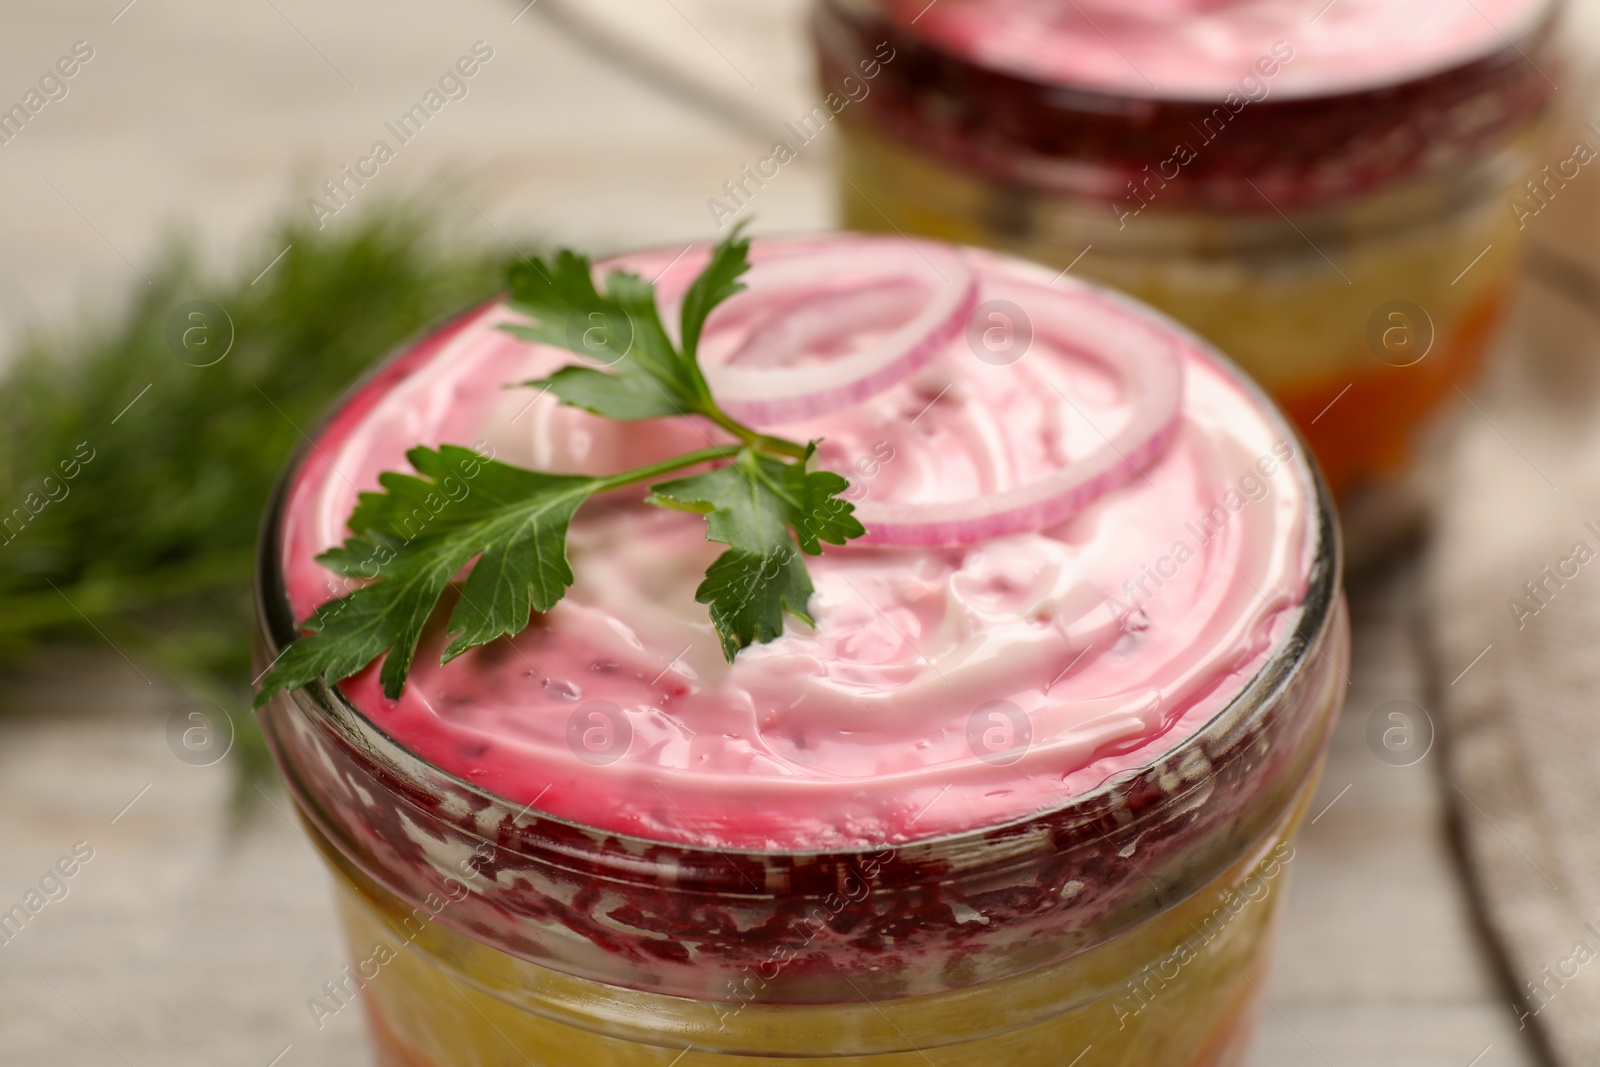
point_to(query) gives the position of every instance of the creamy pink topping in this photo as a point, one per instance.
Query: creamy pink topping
(1186, 49)
(941, 689)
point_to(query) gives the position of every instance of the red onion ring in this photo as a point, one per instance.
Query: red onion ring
(769, 395)
(786, 335)
(1108, 329)
(801, 293)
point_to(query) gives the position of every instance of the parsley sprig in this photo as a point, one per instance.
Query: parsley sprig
(760, 497)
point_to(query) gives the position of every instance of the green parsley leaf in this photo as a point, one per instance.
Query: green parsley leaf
(748, 592)
(643, 375)
(752, 506)
(413, 539)
(720, 280)
(410, 541)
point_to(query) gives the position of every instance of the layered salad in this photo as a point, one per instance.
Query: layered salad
(1050, 707)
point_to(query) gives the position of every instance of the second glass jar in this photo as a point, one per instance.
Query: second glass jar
(1352, 249)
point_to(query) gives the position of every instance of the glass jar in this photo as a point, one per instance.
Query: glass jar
(1343, 226)
(1126, 927)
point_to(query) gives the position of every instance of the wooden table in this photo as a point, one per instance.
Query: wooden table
(188, 941)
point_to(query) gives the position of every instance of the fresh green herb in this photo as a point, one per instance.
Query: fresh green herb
(149, 544)
(761, 501)
(751, 506)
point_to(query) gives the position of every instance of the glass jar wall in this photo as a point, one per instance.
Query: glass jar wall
(1132, 924)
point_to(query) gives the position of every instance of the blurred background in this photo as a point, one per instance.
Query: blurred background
(181, 296)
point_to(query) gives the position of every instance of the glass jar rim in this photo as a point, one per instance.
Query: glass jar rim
(1289, 659)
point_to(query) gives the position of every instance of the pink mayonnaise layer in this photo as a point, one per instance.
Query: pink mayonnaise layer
(1110, 638)
(1204, 49)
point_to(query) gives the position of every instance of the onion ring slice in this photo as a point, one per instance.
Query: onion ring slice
(803, 294)
(1145, 351)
